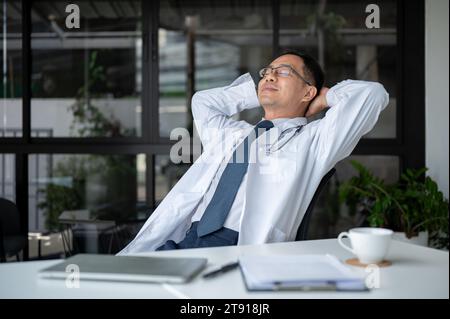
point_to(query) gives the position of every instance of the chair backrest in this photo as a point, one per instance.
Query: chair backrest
(9, 228)
(9, 218)
(302, 231)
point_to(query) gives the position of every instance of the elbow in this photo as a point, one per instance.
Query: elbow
(378, 95)
(197, 103)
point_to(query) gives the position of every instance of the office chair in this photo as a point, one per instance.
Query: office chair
(302, 231)
(12, 241)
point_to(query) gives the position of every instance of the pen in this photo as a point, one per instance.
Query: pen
(221, 270)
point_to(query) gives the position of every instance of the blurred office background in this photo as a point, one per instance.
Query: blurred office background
(86, 114)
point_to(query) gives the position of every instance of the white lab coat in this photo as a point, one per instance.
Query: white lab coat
(281, 184)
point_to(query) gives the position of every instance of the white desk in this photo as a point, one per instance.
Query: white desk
(20, 280)
(417, 272)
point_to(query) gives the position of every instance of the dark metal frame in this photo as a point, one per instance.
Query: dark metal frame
(409, 145)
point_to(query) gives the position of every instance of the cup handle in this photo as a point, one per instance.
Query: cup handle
(342, 235)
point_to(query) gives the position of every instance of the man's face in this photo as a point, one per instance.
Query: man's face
(284, 95)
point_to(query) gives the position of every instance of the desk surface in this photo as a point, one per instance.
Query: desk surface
(417, 272)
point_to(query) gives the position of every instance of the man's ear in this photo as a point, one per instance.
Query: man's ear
(310, 94)
(310, 102)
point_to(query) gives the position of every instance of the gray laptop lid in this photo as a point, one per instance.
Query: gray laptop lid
(128, 268)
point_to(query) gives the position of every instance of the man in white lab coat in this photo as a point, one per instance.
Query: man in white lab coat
(225, 201)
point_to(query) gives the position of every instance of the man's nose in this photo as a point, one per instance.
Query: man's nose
(271, 77)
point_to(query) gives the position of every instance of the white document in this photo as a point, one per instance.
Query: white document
(299, 272)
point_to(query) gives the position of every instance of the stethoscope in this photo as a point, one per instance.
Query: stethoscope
(281, 141)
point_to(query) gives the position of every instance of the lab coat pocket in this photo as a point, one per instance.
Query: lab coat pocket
(276, 235)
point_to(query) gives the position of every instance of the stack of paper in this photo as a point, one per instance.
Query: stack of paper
(298, 272)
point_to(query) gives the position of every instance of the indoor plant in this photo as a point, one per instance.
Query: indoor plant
(411, 205)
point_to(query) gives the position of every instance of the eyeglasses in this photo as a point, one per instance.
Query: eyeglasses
(282, 71)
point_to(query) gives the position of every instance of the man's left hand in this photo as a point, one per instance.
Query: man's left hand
(319, 103)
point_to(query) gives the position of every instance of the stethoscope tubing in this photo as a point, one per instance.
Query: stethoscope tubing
(271, 149)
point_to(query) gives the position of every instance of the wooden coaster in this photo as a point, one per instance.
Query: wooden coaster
(356, 262)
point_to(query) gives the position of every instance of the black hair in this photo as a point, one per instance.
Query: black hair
(313, 70)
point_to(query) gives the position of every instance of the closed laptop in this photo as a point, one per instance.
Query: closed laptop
(127, 268)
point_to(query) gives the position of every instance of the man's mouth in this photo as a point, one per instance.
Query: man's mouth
(269, 87)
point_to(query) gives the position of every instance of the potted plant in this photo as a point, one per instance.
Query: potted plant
(412, 205)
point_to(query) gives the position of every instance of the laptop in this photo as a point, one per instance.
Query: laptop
(127, 268)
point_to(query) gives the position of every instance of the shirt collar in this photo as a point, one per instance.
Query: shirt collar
(286, 123)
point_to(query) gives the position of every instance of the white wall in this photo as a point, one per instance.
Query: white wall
(436, 88)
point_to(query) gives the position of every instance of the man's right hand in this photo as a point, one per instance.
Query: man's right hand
(319, 103)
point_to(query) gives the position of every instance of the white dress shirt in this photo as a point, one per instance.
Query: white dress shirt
(234, 216)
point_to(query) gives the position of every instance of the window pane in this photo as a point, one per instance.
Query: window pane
(330, 217)
(8, 177)
(86, 81)
(223, 41)
(100, 198)
(11, 69)
(336, 33)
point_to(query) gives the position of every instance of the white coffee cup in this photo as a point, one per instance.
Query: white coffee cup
(369, 244)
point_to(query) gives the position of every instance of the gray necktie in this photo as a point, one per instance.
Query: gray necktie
(218, 208)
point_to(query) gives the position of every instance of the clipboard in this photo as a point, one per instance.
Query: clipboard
(299, 273)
